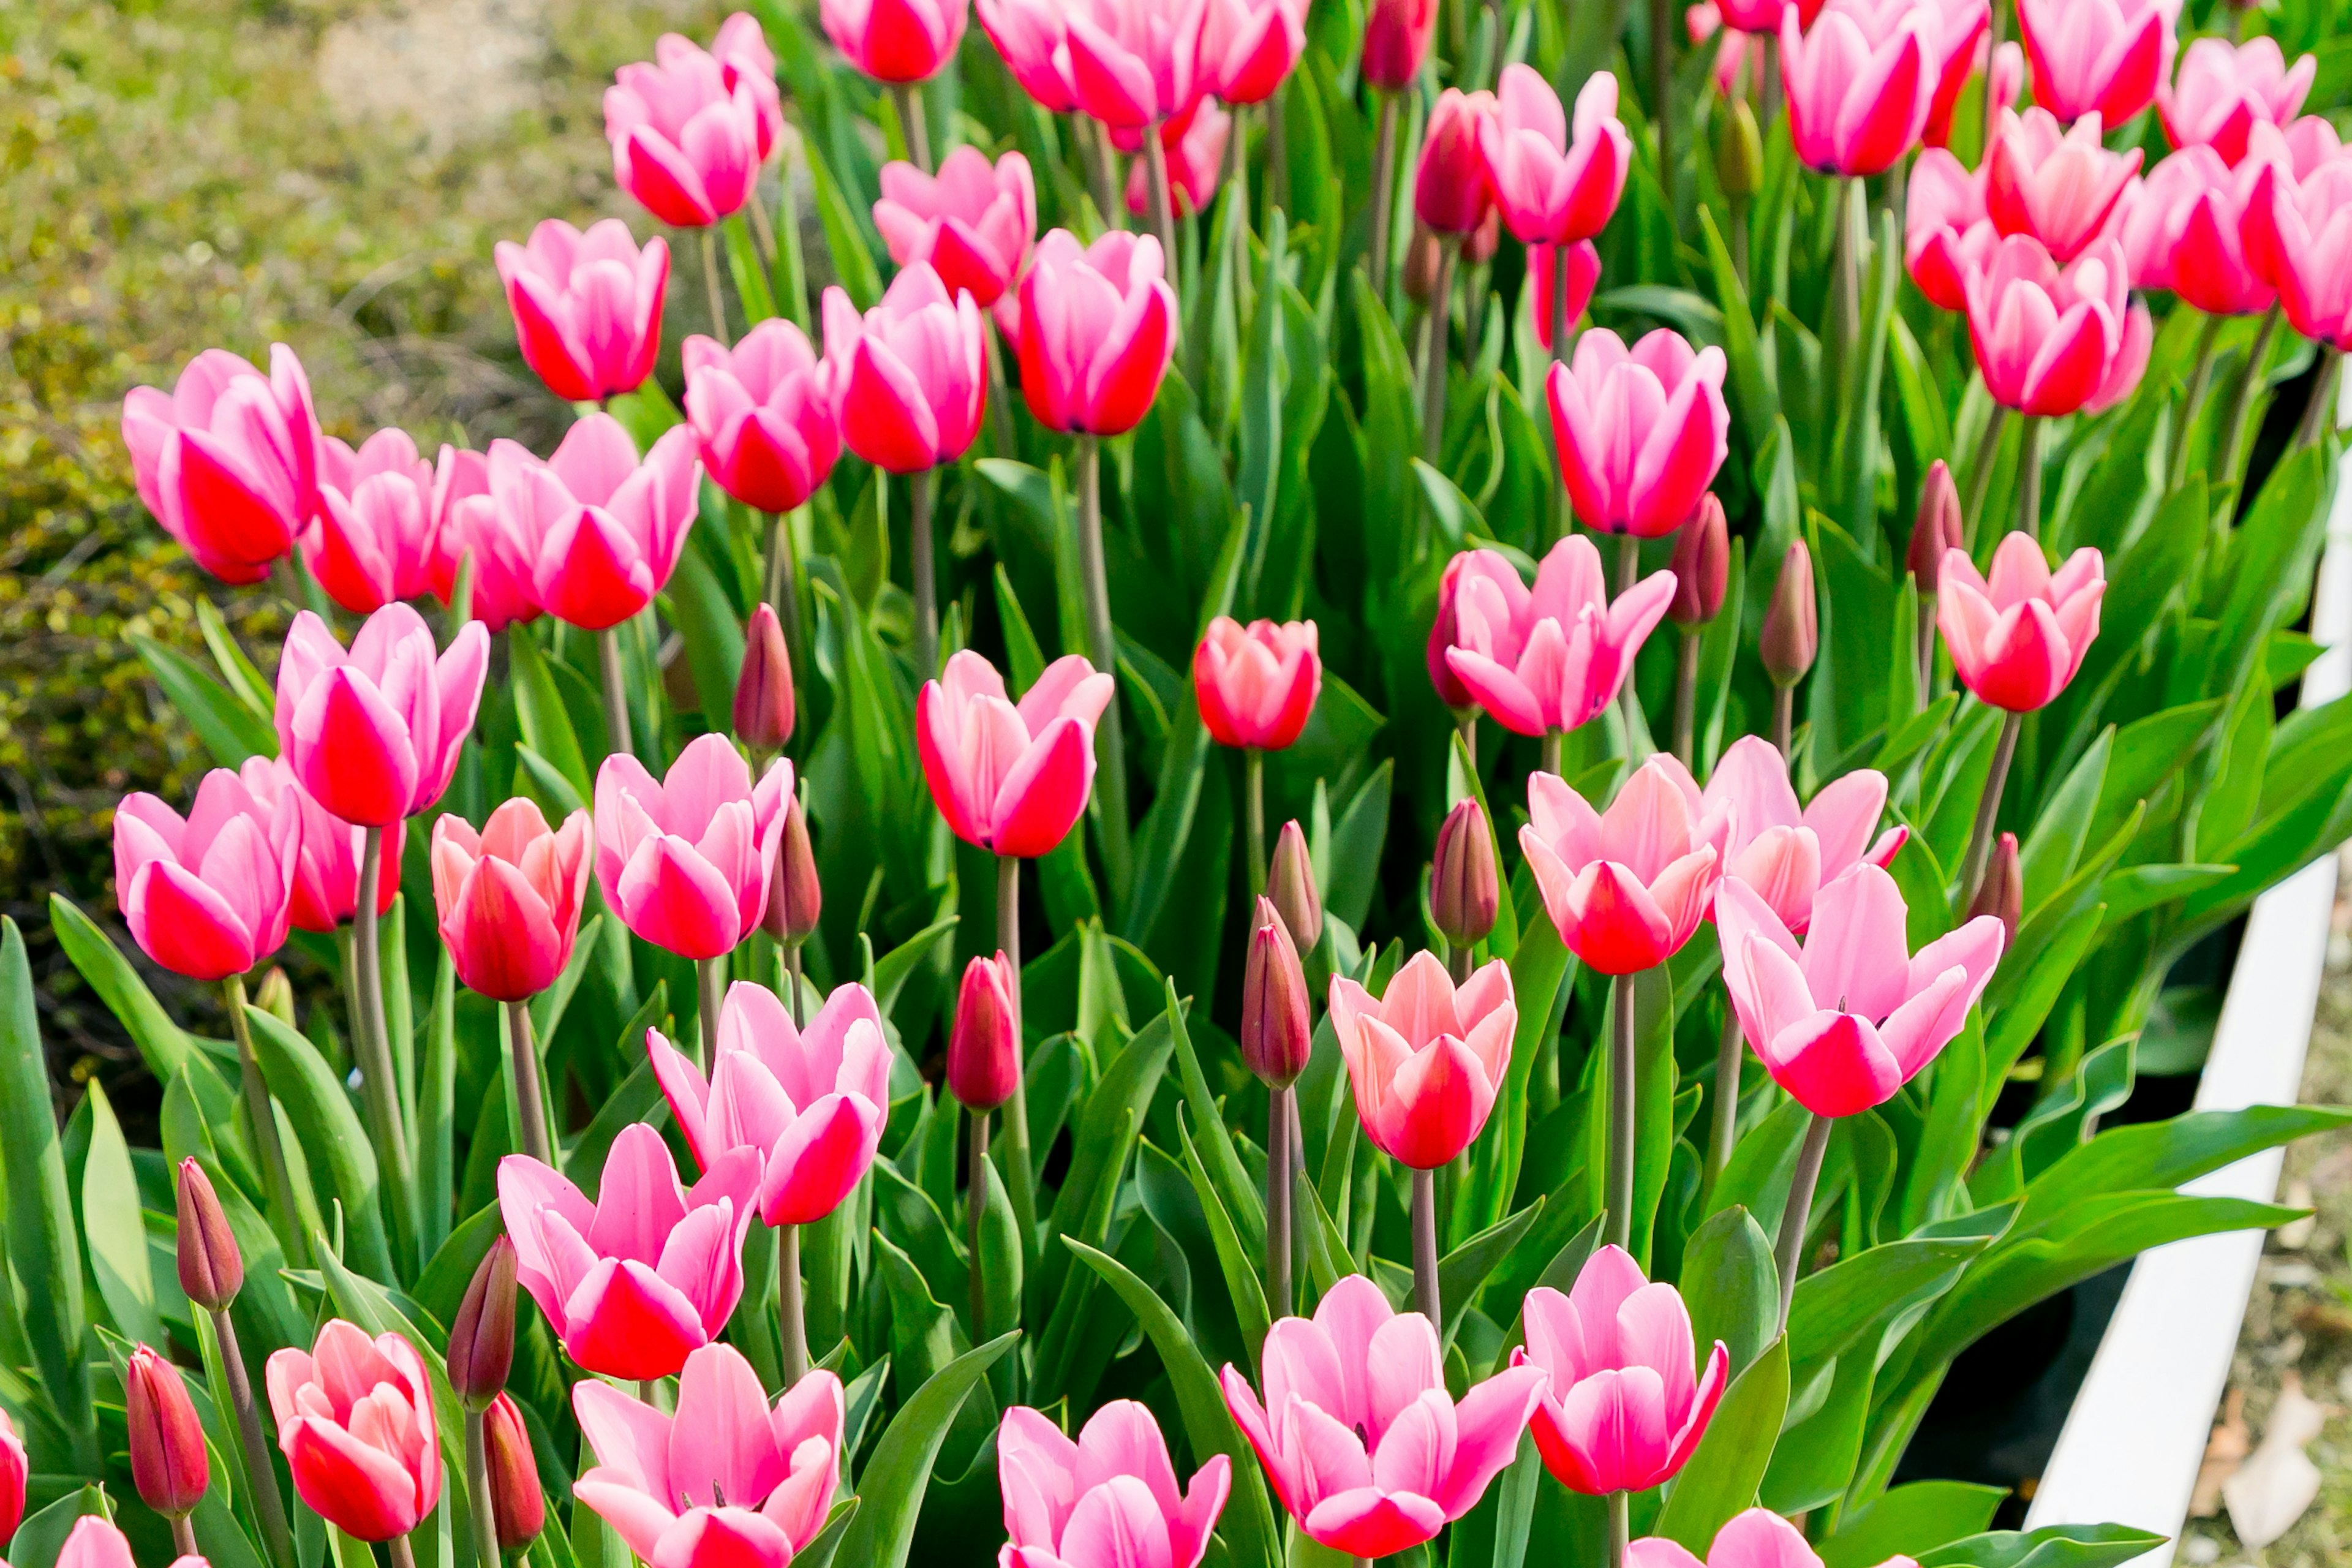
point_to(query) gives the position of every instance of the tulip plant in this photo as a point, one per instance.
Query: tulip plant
(1440, 897)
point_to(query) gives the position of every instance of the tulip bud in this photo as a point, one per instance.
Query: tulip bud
(763, 691)
(167, 1442)
(274, 997)
(481, 1336)
(518, 1503)
(1793, 633)
(1421, 258)
(1463, 895)
(1738, 151)
(212, 1270)
(795, 899)
(1291, 883)
(984, 1048)
(1479, 246)
(1936, 529)
(1702, 565)
(2002, 893)
(1276, 1030)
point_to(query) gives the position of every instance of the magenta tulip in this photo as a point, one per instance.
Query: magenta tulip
(1445, 631)
(1029, 35)
(207, 897)
(1427, 1059)
(2183, 228)
(2062, 186)
(743, 56)
(2105, 57)
(168, 1463)
(1550, 659)
(2052, 339)
(1642, 431)
(973, 221)
(1194, 143)
(910, 378)
(508, 897)
(374, 537)
(598, 530)
(685, 861)
(649, 1272)
(1624, 888)
(1011, 780)
(327, 868)
(1134, 63)
(228, 463)
(1859, 82)
(1947, 234)
(2017, 639)
(2298, 237)
(1257, 685)
(2225, 90)
(1365, 1447)
(1960, 27)
(1553, 190)
(1583, 278)
(1787, 853)
(355, 1422)
(587, 307)
(1758, 1538)
(373, 733)
(1248, 48)
(762, 416)
(1108, 1500)
(896, 40)
(984, 1067)
(1451, 193)
(14, 1469)
(810, 1104)
(1764, 16)
(1396, 41)
(1097, 330)
(685, 142)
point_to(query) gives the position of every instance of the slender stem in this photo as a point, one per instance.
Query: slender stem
(793, 976)
(1277, 153)
(1992, 107)
(1739, 243)
(783, 594)
(1629, 697)
(1461, 958)
(711, 980)
(1789, 1252)
(1560, 303)
(1848, 279)
(1620, 1527)
(1236, 170)
(1989, 811)
(1102, 171)
(183, 1536)
(1384, 149)
(976, 1209)
(927, 582)
(909, 96)
(616, 691)
(1436, 328)
(529, 1109)
(1988, 455)
(267, 1504)
(1254, 788)
(1465, 726)
(1687, 700)
(1624, 1103)
(762, 230)
(1110, 738)
(1279, 1177)
(2200, 376)
(791, 1317)
(1424, 1249)
(401, 1554)
(377, 1083)
(1924, 639)
(258, 1111)
(1730, 1057)
(2250, 385)
(2320, 414)
(477, 1487)
(649, 1392)
(1019, 1175)
(2029, 478)
(1768, 50)
(1784, 721)
(1661, 96)
(1157, 201)
(716, 297)
(1551, 763)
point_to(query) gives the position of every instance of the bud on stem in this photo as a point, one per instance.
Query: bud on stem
(1464, 894)
(481, 1336)
(1291, 883)
(1278, 1031)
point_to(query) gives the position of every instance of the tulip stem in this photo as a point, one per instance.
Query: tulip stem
(1846, 282)
(909, 96)
(790, 1318)
(1436, 328)
(1988, 457)
(716, 297)
(2200, 376)
(183, 1536)
(2249, 385)
(402, 1556)
(1102, 171)
(1018, 1174)
(1280, 1176)
(1559, 304)
(530, 1109)
(484, 1513)
(2320, 414)
(1620, 1527)
(267, 1505)
(1254, 788)
(616, 691)
(1687, 700)
(784, 585)
(1788, 1251)
(1110, 737)
(1784, 720)
(258, 1111)
(376, 1080)
(1384, 152)
(1158, 200)
(1277, 151)
(1924, 635)
(2029, 478)
(1551, 760)
(1988, 810)
(710, 977)
(1623, 1065)
(1730, 1057)
(927, 575)
(793, 981)
(1629, 572)
(976, 1208)
(1661, 96)
(1424, 1249)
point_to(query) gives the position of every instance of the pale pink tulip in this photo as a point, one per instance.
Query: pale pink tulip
(2098, 56)
(910, 378)
(587, 307)
(1947, 233)
(1553, 190)
(2062, 186)
(207, 896)
(685, 861)
(1625, 889)
(973, 221)
(1257, 685)
(896, 40)
(508, 897)
(96, 1542)
(327, 871)
(686, 133)
(2183, 228)
(1642, 431)
(1011, 780)
(1134, 62)
(373, 539)
(2017, 639)
(2298, 237)
(355, 1422)
(743, 56)
(1194, 143)
(2056, 341)
(458, 474)
(228, 461)
(1249, 47)
(1758, 1538)
(762, 416)
(2225, 90)
(1859, 82)
(598, 530)
(1108, 1500)
(502, 546)
(1785, 852)
(373, 734)
(1097, 330)
(1029, 35)
(1426, 1059)
(1550, 659)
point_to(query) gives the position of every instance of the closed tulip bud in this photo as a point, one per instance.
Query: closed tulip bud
(275, 995)
(1420, 264)
(795, 897)
(1291, 883)
(1738, 151)
(167, 1443)
(212, 1270)
(1276, 1030)
(1793, 633)
(518, 1502)
(763, 689)
(2002, 894)
(1702, 565)
(1462, 894)
(481, 1336)
(984, 1048)
(1936, 529)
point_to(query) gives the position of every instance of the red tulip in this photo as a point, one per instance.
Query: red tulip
(211, 1269)
(686, 133)
(1194, 143)
(1277, 1023)
(973, 221)
(1642, 431)
(355, 1422)
(1947, 234)
(228, 463)
(763, 415)
(896, 40)
(910, 378)
(1097, 330)
(168, 1463)
(1029, 35)
(685, 861)
(374, 538)
(1444, 633)
(1451, 193)
(1010, 780)
(1256, 686)
(1784, 852)
(2017, 639)
(743, 56)
(1248, 48)
(762, 714)
(1583, 278)
(459, 473)
(1960, 27)
(509, 899)
(373, 733)
(2298, 235)
(587, 307)
(14, 1469)
(984, 1046)
(1134, 63)
(327, 867)
(207, 897)
(518, 1502)
(2183, 228)
(1550, 659)
(96, 1542)
(1108, 1500)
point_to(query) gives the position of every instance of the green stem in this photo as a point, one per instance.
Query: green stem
(716, 297)
(1687, 700)
(1924, 646)
(1730, 1057)
(1279, 1179)
(791, 1319)
(1019, 1175)
(401, 1554)
(257, 1111)
(1551, 760)
(1560, 303)
(2029, 478)
(378, 1084)
(1981, 836)
(793, 978)
(263, 1480)
(183, 1536)
(1384, 155)
(1620, 1527)
(783, 594)
(2250, 385)
(976, 1209)
(1158, 202)
(1661, 96)
(1624, 1064)
(927, 584)
(1788, 1251)
(616, 691)
(1254, 789)
(1629, 699)
(1102, 172)
(1110, 740)
(1988, 455)
(1784, 720)
(2200, 376)
(1424, 1249)
(710, 980)
(530, 1110)
(909, 96)
(1436, 328)
(485, 1518)
(2320, 414)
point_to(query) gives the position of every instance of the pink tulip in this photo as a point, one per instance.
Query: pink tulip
(2061, 186)
(2225, 90)
(373, 733)
(1445, 630)
(2017, 640)
(1705, 21)
(762, 416)
(984, 1067)
(598, 532)
(508, 897)
(2056, 341)
(1426, 1059)
(1029, 35)
(207, 897)
(228, 463)
(1554, 191)
(1583, 278)
(1194, 143)
(96, 1542)
(1257, 685)
(1625, 889)
(1396, 42)
(1364, 1446)
(635, 1282)
(1852, 1016)
(1947, 233)
(169, 1467)
(374, 538)
(2097, 57)
(2183, 228)
(502, 545)
(1097, 332)
(973, 221)
(14, 1469)
(727, 1479)
(685, 142)
(2310, 140)
(1133, 63)
(1961, 27)
(1249, 47)
(2298, 237)
(896, 40)
(685, 861)
(1108, 1500)
(587, 307)
(1860, 82)
(1642, 431)
(910, 378)
(459, 473)
(355, 1422)
(327, 868)
(1550, 659)
(1756, 1539)
(744, 57)
(1764, 16)
(1787, 853)
(2005, 75)
(1010, 780)
(810, 1104)
(1624, 1405)
(1449, 189)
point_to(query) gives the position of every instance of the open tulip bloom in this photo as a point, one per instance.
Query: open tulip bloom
(1554, 190)
(355, 1422)
(2224, 90)
(2098, 56)
(685, 862)
(228, 461)
(973, 221)
(508, 897)
(1545, 661)
(1860, 82)
(1098, 330)
(1011, 780)
(373, 732)
(587, 307)
(1785, 852)
(2052, 340)
(1108, 1500)
(1426, 1059)
(2017, 637)
(896, 41)
(685, 142)
(375, 538)
(1257, 684)
(598, 530)
(2298, 237)
(207, 896)
(327, 870)
(2060, 185)
(1756, 1538)
(1626, 888)
(763, 415)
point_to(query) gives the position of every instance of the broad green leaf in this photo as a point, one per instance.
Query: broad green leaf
(113, 1229)
(2052, 1546)
(230, 730)
(539, 710)
(41, 1536)
(890, 1488)
(163, 1045)
(1100, 1143)
(1462, 1272)
(1730, 1286)
(1911, 1522)
(333, 1141)
(1730, 1461)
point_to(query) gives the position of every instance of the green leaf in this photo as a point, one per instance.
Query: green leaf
(639, 1098)
(230, 730)
(163, 1045)
(1462, 1272)
(113, 1229)
(333, 1140)
(1236, 1265)
(1730, 1286)
(1835, 1307)
(1730, 1463)
(545, 722)
(1239, 1196)
(1910, 1522)
(893, 969)
(42, 1536)
(2165, 1154)
(890, 1488)
(244, 682)
(2051, 1546)
(853, 264)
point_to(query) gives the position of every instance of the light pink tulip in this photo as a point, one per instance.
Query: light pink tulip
(327, 870)
(636, 1282)
(762, 416)
(373, 734)
(1859, 82)
(1011, 780)
(598, 530)
(1642, 431)
(973, 221)
(1961, 31)
(1029, 35)
(96, 1542)
(2225, 90)
(1108, 1500)
(2183, 228)
(228, 462)
(2059, 186)
(1624, 1404)
(896, 40)
(1851, 1017)
(1097, 330)
(2311, 143)
(1583, 278)
(1257, 685)
(1451, 192)
(685, 142)
(1249, 47)
(1365, 1447)
(727, 1480)
(1396, 41)
(2098, 56)
(1194, 143)
(1426, 1059)
(685, 862)
(1553, 190)
(1758, 1538)
(2056, 341)
(508, 897)
(2018, 640)
(207, 897)
(743, 56)
(1625, 889)
(355, 1422)
(1947, 233)
(910, 378)
(2298, 237)
(1785, 852)
(1134, 62)
(1550, 659)
(587, 307)
(373, 539)
(2005, 75)
(810, 1104)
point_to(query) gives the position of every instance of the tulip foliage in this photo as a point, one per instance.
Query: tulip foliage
(1330, 781)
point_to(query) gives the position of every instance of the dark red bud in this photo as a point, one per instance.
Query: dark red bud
(518, 1502)
(1462, 894)
(1421, 258)
(795, 899)
(2002, 894)
(1291, 883)
(1936, 528)
(482, 1335)
(763, 691)
(212, 1270)
(1793, 633)
(984, 1048)
(1702, 565)
(1277, 1032)
(168, 1463)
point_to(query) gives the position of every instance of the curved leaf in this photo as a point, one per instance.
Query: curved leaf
(890, 1488)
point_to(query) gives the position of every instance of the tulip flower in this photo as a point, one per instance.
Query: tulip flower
(1291, 883)
(2183, 229)
(1947, 234)
(1545, 662)
(1277, 1022)
(1110, 1497)
(1257, 685)
(2298, 238)
(458, 474)
(1642, 431)
(2001, 895)
(327, 866)
(1464, 888)
(1758, 1538)
(1192, 145)
(14, 1469)
(684, 861)
(686, 142)
(1860, 82)
(599, 530)
(763, 713)
(1097, 332)
(210, 1268)
(2225, 90)
(2097, 57)
(508, 897)
(2056, 341)
(504, 592)
(1623, 1406)
(725, 1480)
(373, 733)
(1450, 188)
(482, 1334)
(1790, 637)
(635, 1282)
(1365, 1447)
(96, 1542)
(1134, 63)
(168, 1462)
(2059, 186)
(1960, 28)
(1784, 853)
(910, 378)
(1445, 630)
(743, 56)
(1580, 263)
(1249, 47)
(1553, 190)
(1764, 16)
(374, 538)
(1028, 34)
(973, 221)
(762, 416)
(518, 1502)
(1701, 565)
(1625, 889)
(228, 462)
(208, 895)
(1396, 42)
(795, 896)
(1011, 780)
(896, 41)
(2017, 638)
(587, 307)
(355, 1422)
(984, 1044)
(1426, 1059)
